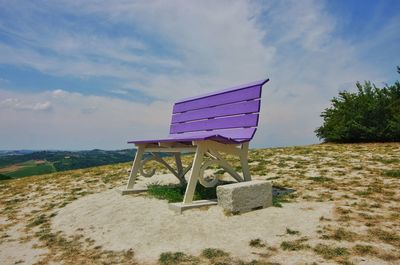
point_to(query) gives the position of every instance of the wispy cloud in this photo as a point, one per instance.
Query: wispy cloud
(16, 104)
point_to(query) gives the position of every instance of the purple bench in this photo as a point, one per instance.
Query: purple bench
(223, 121)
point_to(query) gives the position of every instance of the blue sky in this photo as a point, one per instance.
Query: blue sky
(94, 74)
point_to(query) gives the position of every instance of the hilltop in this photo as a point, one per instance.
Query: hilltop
(344, 210)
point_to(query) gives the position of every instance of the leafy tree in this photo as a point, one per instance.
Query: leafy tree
(370, 115)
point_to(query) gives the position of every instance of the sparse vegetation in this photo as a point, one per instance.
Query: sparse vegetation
(292, 232)
(212, 253)
(363, 250)
(295, 245)
(172, 258)
(330, 252)
(320, 179)
(256, 243)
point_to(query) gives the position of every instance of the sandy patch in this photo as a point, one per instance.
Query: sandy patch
(12, 251)
(148, 227)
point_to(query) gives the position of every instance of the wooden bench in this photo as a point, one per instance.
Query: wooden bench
(223, 121)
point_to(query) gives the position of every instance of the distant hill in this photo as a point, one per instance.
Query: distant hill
(15, 152)
(21, 163)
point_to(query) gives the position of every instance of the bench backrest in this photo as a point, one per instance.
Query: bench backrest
(231, 112)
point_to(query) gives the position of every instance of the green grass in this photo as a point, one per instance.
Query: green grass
(31, 168)
(277, 200)
(175, 193)
(392, 173)
(320, 179)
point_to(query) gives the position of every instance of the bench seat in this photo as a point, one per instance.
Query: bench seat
(222, 136)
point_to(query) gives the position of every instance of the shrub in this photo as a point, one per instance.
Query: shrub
(370, 115)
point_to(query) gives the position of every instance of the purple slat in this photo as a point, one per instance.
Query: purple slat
(255, 83)
(226, 97)
(236, 134)
(218, 111)
(248, 120)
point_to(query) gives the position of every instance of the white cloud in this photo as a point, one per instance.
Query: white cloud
(77, 121)
(16, 104)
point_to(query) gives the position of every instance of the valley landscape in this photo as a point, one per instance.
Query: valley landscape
(17, 164)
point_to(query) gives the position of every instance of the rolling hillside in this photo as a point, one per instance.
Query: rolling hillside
(16, 164)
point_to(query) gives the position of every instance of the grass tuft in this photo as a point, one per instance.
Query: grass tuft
(292, 232)
(256, 243)
(212, 253)
(41, 219)
(363, 250)
(385, 236)
(320, 179)
(329, 252)
(392, 173)
(342, 234)
(294, 245)
(172, 258)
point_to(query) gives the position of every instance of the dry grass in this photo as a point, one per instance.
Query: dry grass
(360, 179)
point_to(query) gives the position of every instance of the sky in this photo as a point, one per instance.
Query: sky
(80, 75)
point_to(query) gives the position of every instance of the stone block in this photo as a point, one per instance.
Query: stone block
(245, 196)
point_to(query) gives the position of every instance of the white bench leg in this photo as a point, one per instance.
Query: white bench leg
(134, 171)
(244, 162)
(194, 174)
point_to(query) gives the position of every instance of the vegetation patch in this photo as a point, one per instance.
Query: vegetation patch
(212, 253)
(364, 250)
(175, 193)
(392, 173)
(320, 179)
(385, 236)
(172, 258)
(330, 252)
(256, 243)
(343, 234)
(292, 232)
(295, 245)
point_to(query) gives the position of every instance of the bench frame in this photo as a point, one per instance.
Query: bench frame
(207, 149)
(202, 149)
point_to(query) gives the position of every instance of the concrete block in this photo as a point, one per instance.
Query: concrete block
(245, 196)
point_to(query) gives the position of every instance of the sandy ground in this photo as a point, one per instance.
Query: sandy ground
(15, 251)
(147, 225)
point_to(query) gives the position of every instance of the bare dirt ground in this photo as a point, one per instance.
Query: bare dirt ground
(345, 210)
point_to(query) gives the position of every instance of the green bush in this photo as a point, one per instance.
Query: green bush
(370, 115)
